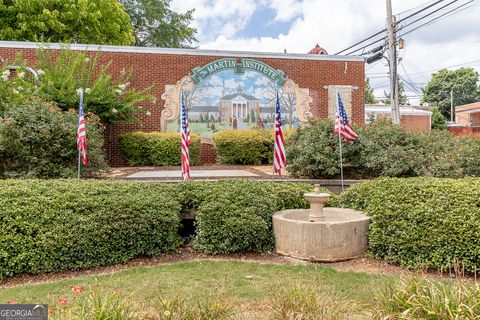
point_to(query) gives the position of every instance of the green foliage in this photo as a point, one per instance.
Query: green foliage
(39, 140)
(64, 73)
(382, 150)
(369, 96)
(236, 216)
(54, 225)
(156, 25)
(69, 21)
(421, 222)
(463, 82)
(244, 146)
(157, 148)
(312, 151)
(438, 120)
(423, 299)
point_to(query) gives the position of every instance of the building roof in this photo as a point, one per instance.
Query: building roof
(386, 109)
(233, 96)
(466, 108)
(203, 109)
(317, 50)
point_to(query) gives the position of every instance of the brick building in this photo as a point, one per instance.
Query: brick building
(411, 118)
(313, 78)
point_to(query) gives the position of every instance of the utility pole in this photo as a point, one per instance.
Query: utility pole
(451, 106)
(392, 59)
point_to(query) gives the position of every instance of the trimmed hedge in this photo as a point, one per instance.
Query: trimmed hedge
(246, 146)
(157, 148)
(237, 217)
(55, 225)
(421, 222)
(382, 150)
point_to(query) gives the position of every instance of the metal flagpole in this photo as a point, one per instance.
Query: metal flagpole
(340, 139)
(181, 132)
(274, 139)
(78, 124)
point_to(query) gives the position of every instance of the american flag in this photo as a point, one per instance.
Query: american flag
(185, 143)
(82, 133)
(342, 125)
(279, 159)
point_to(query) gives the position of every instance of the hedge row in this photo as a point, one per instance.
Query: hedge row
(382, 150)
(55, 225)
(421, 222)
(157, 148)
(245, 146)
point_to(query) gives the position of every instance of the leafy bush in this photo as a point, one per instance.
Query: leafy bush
(236, 216)
(382, 150)
(54, 225)
(424, 299)
(157, 148)
(243, 146)
(39, 140)
(421, 222)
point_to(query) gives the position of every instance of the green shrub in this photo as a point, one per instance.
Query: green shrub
(157, 148)
(39, 140)
(54, 225)
(382, 150)
(244, 146)
(236, 216)
(421, 222)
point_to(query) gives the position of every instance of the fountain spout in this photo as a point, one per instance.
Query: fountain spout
(316, 199)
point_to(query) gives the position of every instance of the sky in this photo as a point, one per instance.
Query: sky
(275, 25)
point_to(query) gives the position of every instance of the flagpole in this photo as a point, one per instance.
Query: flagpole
(78, 124)
(181, 126)
(340, 141)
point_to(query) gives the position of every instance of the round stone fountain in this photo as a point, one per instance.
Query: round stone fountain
(320, 234)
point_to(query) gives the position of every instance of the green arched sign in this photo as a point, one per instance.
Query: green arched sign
(200, 73)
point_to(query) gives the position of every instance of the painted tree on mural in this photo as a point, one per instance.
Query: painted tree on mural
(288, 101)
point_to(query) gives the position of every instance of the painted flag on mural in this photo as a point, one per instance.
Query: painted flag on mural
(185, 132)
(279, 158)
(82, 132)
(342, 125)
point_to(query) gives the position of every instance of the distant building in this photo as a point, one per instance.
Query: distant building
(239, 105)
(317, 50)
(468, 115)
(412, 118)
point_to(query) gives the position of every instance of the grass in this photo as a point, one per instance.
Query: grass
(248, 286)
(204, 290)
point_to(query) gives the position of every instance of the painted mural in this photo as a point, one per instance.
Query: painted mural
(234, 100)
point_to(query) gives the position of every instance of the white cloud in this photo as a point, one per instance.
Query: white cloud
(231, 83)
(338, 24)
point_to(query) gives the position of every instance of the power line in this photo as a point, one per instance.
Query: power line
(436, 18)
(362, 41)
(420, 11)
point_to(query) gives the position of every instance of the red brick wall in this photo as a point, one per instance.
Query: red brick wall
(461, 131)
(208, 155)
(161, 69)
(416, 122)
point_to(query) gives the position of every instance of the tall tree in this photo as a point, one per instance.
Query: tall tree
(462, 82)
(71, 21)
(402, 98)
(156, 25)
(369, 97)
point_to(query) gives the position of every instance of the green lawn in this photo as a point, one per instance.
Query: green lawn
(246, 285)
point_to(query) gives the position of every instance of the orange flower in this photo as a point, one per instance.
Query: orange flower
(62, 301)
(11, 302)
(77, 289)
(117, 291)
(50, 309)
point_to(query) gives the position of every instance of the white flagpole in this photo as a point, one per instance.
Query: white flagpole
(80, 92)
(180, 114)
(274, 137)
(339, 139)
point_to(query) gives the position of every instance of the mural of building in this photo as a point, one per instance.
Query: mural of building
(316, 76)
(238, 105)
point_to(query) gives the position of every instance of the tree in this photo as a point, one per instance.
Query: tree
(463, 82)
(68, 21)
(402, 98)
(369, 97)
(156, 25)
(438, 120)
